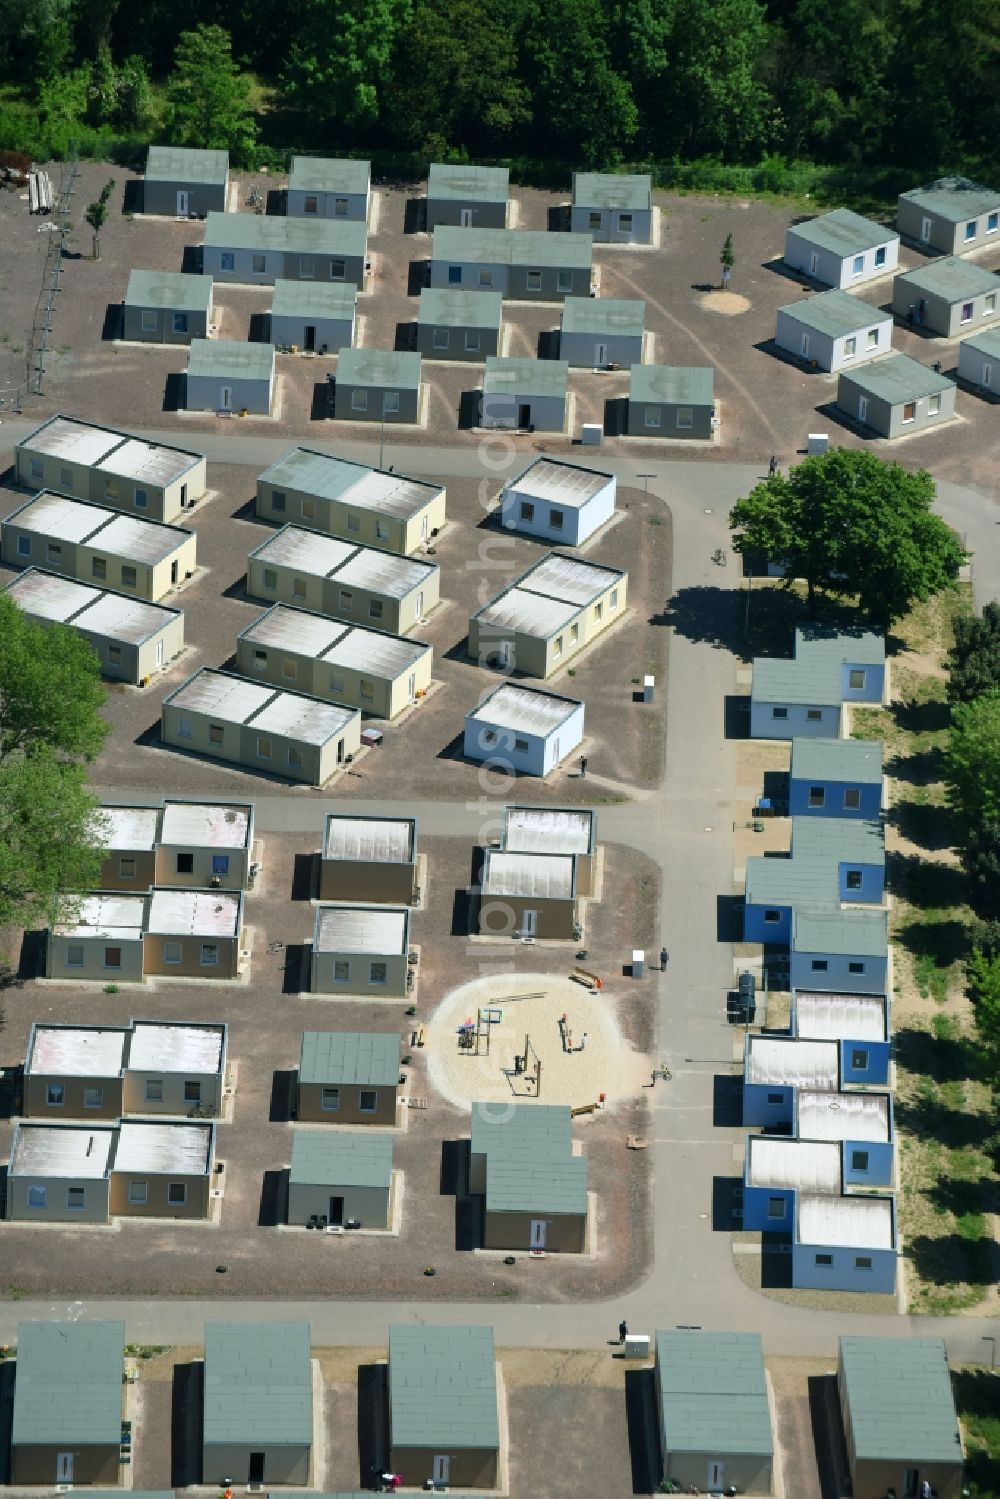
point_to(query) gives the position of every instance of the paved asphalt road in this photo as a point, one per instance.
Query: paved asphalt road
(687, 828)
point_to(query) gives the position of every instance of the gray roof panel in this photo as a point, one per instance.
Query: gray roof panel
(341, 1158)
(674, 385)
(329, 174)
(250, 231)
(184, 164)
(952, 279)
(897, 378)
(530, 1167)
(529, 248)
(466, 181)
(849, 760)
(209, 357)
(258, 1384)
(526, 377)
(443, 1388)
(333, 1058)
(451, 307)
(609, 315)
(900, 1399)
(321, 299)
(843, 232)
(377, 368)
(172, 289)
(612, 190)
(953, 199)
(853, 930)
(835, 313)
(714, 1393)
(68, 1390)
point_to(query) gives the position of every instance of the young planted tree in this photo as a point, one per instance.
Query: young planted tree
(727, 260)
(208, 98)
(96, 214)
(854, 525)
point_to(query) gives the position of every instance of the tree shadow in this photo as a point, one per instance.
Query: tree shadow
(828, 1435)
(928, 826)
(942, 1058)
(945, 942)
(643, 1425)
(708, 615)
(186, 1403)
(283, 1095)
(924, 884)
(929, 717)
(727, 1204)
(923, 767)
(950, 1259)
(273, 1206)
(964, 1199)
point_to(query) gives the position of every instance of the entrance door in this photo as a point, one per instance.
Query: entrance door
(465, 218)
(411, 686)
(529, 923)
(225, 398)
(255, 1472)
(310, 343)
(183, 200)
(925, 231)
(340, 752)
(715, 1474)
(159, 653)
(420, 599)
(174, 572)
(987, 376)
(813, 263)
(600, 355)
(805, 346)
(537, 1238)
(441, 1469)
(911, 1483)
(64, 1467)
(501, 654)
(336, 1216)
(524, 415)
(862, 408)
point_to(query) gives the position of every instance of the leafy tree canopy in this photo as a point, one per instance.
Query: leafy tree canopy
(338, 63)
(974, 659)
(983, 983)
(981, 860)
(50, 689)
(852, 524)
(972, 763)
(209, 101)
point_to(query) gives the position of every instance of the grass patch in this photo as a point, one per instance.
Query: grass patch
(977, 1396)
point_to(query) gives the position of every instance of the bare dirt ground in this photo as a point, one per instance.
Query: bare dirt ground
(768, 403)
(266, 1018)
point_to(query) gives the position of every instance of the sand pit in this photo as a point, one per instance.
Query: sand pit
(729, 303)
(531, 1004)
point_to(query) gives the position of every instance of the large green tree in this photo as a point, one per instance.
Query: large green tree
(713, 101)
(586, 106)
(208, 98)
(974, 659)
(855, 525)
(981, 861)
(50, 689)
(338, 64)
(972, 763)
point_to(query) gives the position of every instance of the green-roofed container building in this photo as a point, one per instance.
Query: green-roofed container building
(613, 208)
(841, 950)
(348, 1077)
(671, 401)
(979, 361)
(182, 182)
(952, 215)
(714, 1415)
(68, 1403)
(899, 1417)
(444, 1417)
(340, 1176)
(521, 1162)
(166, 307)
(896, 396)
(527, 395)
(328, 188)
(803, 697)
(526, 265)
(950, 296)
(835, 778)
(261, 249)
(466, 196)
(224, 375)
(598, 331)
(315, 317)
(258, 1403)
(833, 330)
(459, 325)
(833, 860)
(841, 249)
(377, 385)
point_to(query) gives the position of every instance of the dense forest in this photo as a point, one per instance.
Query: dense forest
(904, 84)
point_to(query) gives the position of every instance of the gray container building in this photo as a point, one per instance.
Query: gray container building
(166, 307)
(258, 1404)
(525, 394)
(259, 250)
(597, 332)
(461, 325)
(338, 1177)
(950, 296)
(952, 215)
(316, 317)
(223, 375)
(524, 265)
(715, 1420)
(329, 188)
(444, 1417)
(841, 249)
(377, 385)
(833, 330)
(671, 401)
(979, 361)
(180, 182)
(468, 196)
(68, 1403)
(896, 395)
(613, 208)
(898, 1410)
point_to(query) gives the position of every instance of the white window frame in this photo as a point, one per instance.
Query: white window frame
(359, 402)
(209, 957)
(138, 1193)
(440, 338)
(153, 1091)
(374, 977)
(326, 1106)
(149, 320)
(173, 952)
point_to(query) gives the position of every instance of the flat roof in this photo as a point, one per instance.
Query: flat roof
(953, 198)
(789, 880)
(379, 367)
(176, 1046)
(198, 913)
(570, 578)
(897, 378)
(987, 342)
(69, 437)
(329, 174)
(952, 278)
(334, 642)
(330, 478)
(547, 876)
(50, 595)
(835, 313)
(317, 555)
(713, 1393)
(339, 1158)
(859, 840)
(62, 1150)
(793, 1165)
(332, 299)
(464, 180)
(452, 307)
(68, 1390)
(128, 827)
(524, 708)
(556, 830)
(305, 718)
(236, 699)
(164, 1149)
(814, 673)
(779, 1062)
(527, 377)
(117, 916)
(335, 1058)
(206, 824)
(251, 231)
(141, 540)
(321, 556)
(553, 479)
(612, 190)
(530, 1165)
(843, 232)
(603, 315)
(375, 651)
(530, 248)
(843, 1116)
(530, 613)
(258, 1384)
(840, 1017)
(900, 1398)
(118, 617)
(184, 164)
(857, 760)
(379, 930)
(77, 1050)
(855, 1222)
(172, 289)
(443, 1388)
(223, 356)
(852, 929)
(677, 385)
(72, 520)
(294, 629)
(369, 840)
(148, 463)
(383, 572)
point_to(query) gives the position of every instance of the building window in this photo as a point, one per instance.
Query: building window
(989, 304)
(473, 343)
(557, 519)
(184, 730)
(367, 1101)
(128, 577)
(966, 316)
(76, 1199)
(270, 578)
(862, 1262)
(209, 955)
(98, 567)
(259, 659)
(685, 418)
(340, 208)
(366, 688)
(454, 275)
(850, 347)
(487, 736)
(772, 916)
(37, 468)
(354, 521)
(177, 1194)
(341, 971)
(871, 338)
(613, 601)
(294, 759)
(93, 1096)
(533, 280)
(216, 733)
(390, 402)
(110, 489)
(858, 265)
(824, 1260)
(140, 499)
(289, 669)
(856, 678)
(779, 712)
(814, 715)
(258, 264)
(934, 405)
(149, 321)
(527, 510)
(114, 655)
(112, 957)
(817, 796)
(594, 219)
(308, 509)
(564, 281)
(263, 747)
(338, 269)
(185, 863)
(819, 965)
(598, 611)
(775, 1207)
(857, 967)
(970, 229)
(311, 204)
(74, 956)
(557, 647)
(775, 1098)
(852, 799)
(852, 879)
(359, 401)
(55, 1095)
(521, 746)
(298, 588)
(172, 952)
(36, 1197)
(227, 261)
(859, 1160)
(192, 1092)
(909, 411)
(329, 1100)
(652, 418)
(880, 256)
(138, 1193)
(220, 863)
(53, 553)
(278, 501)
(378, 973)
(336, 683)
(625, 223)
(440, 338)
(154, 1090)
(485, 276)
(381, 531)
(24, 546)
(307, 269)
(180, 322)
(66, 478)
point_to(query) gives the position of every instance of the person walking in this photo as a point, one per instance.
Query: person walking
(622, 1331)
(583, 767)
(772, 467)
(664, 955)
